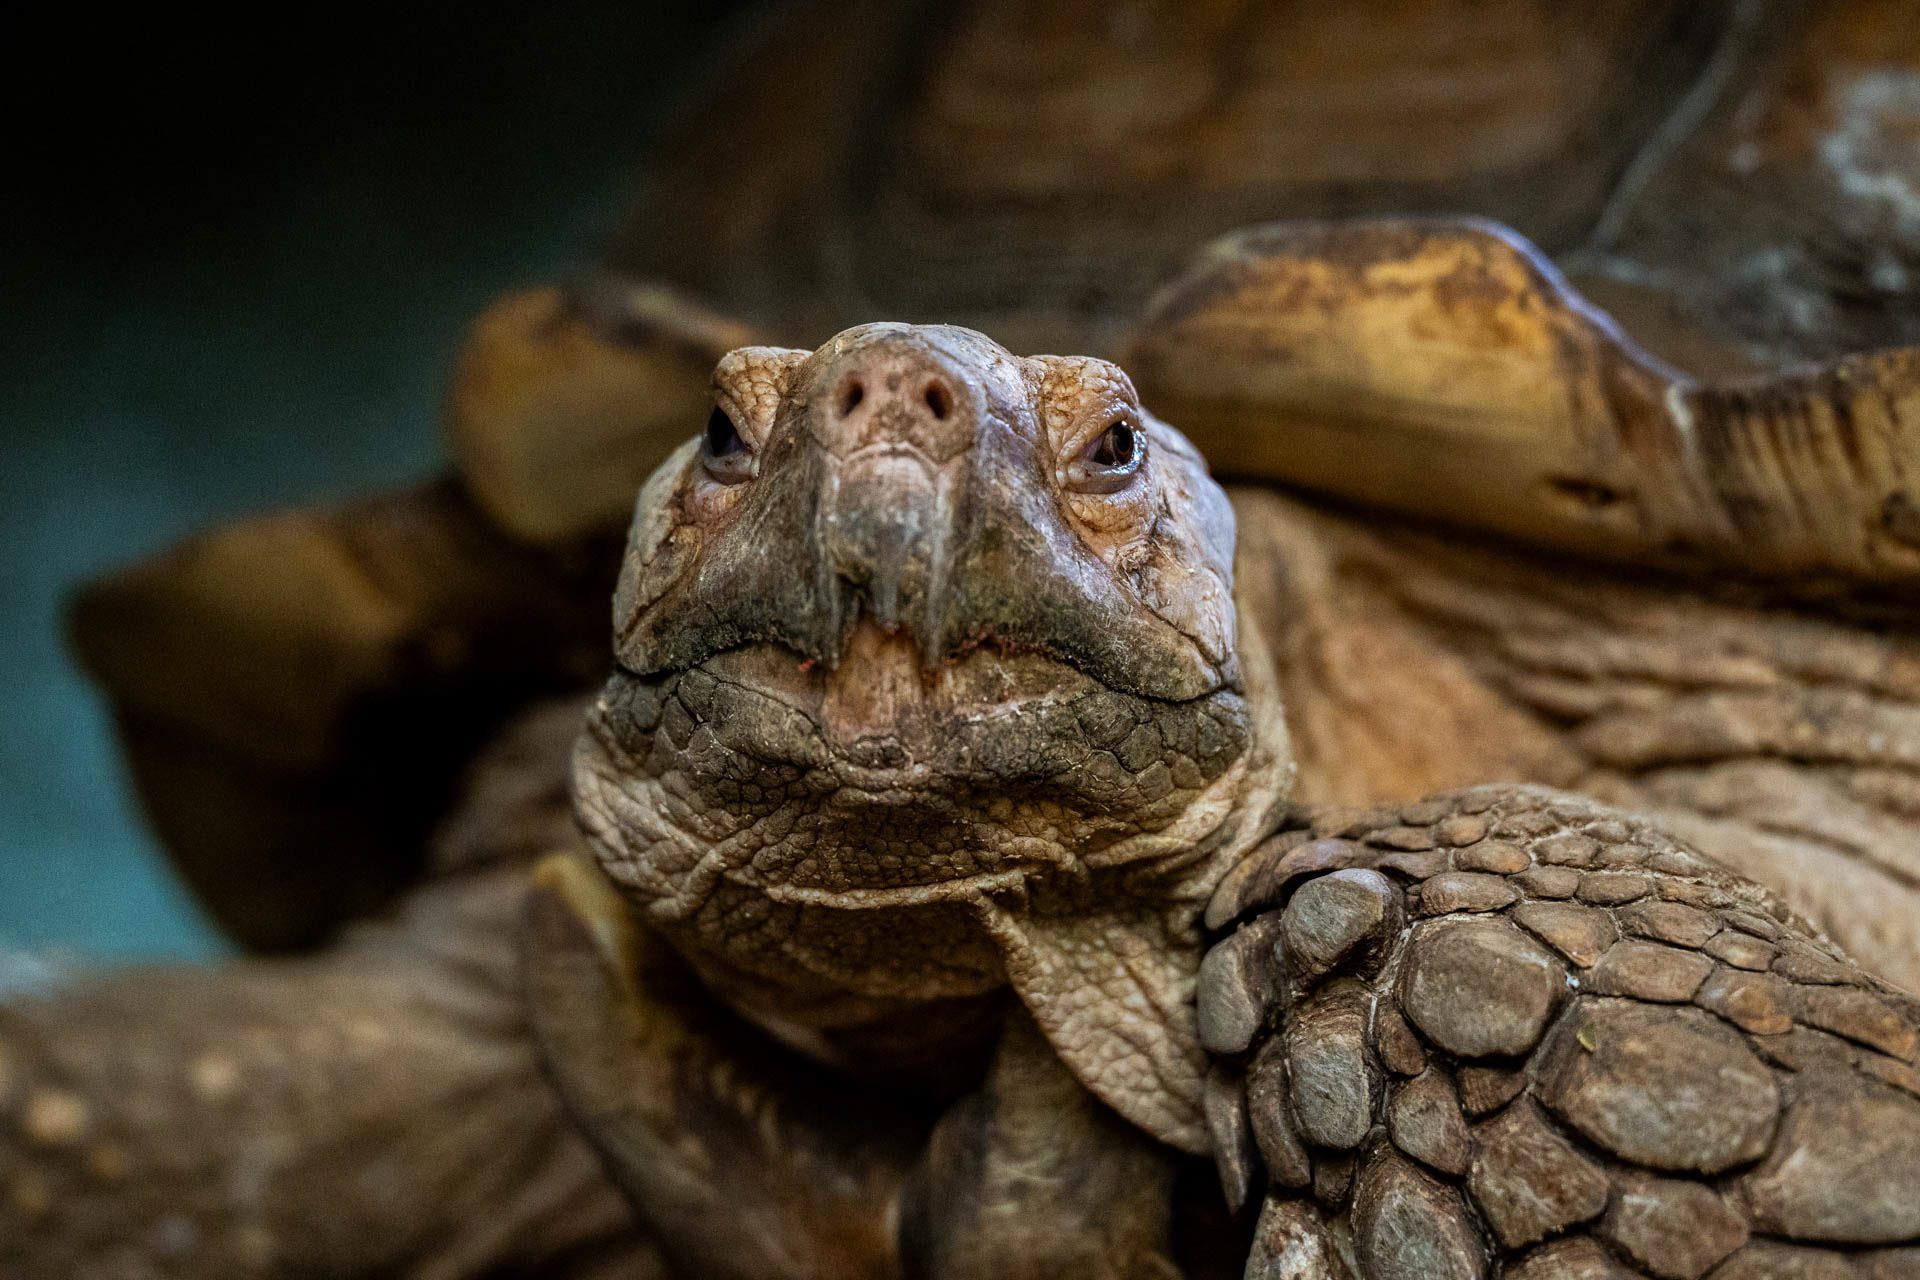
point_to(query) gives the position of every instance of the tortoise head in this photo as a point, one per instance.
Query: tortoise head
(927, 678)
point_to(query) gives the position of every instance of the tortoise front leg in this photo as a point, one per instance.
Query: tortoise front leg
(1510, 1031)
(1035, 1177)
(376, 1111)
(741, 1158)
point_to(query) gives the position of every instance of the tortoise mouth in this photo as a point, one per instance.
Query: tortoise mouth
(888, 719)
(882, 781)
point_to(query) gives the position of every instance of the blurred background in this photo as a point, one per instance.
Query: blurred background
(237, 264)
(240, 264)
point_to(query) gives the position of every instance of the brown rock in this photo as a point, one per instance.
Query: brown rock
(1530, 1182)
(1649, 971)
(1751, 1001)
(1612, 888)
(1671, 1088)
(1496, 856)
(1237, 985)
(1223, 1101)
(1330, 917)
(1741, 950)
(1479, 987)
(1424, 1120)
(1331, 1077)
(1576, 1259)
(1581, 934)
(1671, 922)
(1452, 891)
(1548, 882)
(1408, 1226)
(1845, 1168)
(1860, 1016)
(1270, 1115)
(1674, 1228)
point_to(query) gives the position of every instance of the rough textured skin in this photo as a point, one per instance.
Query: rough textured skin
(1584, 1049)
(1777, 735)
(916, 699)
(744, 1159)
(1032, 1176)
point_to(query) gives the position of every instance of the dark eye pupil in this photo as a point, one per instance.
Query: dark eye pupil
(723, 438)
(1117, 446)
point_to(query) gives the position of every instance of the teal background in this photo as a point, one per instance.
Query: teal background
(239, 290)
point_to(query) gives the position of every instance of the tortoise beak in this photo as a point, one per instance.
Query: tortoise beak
(897, 423)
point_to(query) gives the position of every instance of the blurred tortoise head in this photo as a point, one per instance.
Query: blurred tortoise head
(926, 671)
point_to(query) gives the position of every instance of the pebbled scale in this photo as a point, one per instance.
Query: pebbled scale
(1512, 1032)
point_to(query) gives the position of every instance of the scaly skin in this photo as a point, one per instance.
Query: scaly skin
(1512, 1030)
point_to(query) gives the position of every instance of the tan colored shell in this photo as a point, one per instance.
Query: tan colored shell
(1738, 177)
(562, 401)
(1445, 369)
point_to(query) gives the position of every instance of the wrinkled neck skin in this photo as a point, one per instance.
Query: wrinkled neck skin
(915, 718)
(885, 980)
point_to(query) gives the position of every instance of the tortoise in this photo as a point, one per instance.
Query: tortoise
(941, 901)
(299, 697)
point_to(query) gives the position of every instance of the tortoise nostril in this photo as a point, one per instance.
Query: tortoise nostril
(939, 399)
(851, 394)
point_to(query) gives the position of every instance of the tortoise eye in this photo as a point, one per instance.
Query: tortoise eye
(1111, 461)
(724, 451)
(1117, 447)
